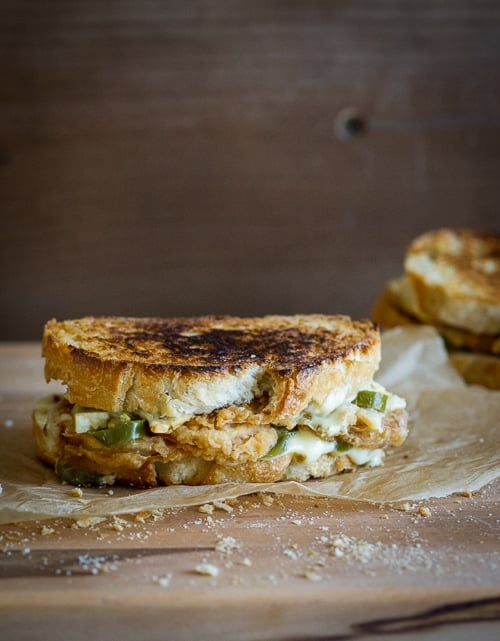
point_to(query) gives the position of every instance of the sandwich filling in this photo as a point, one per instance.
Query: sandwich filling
(92, 447)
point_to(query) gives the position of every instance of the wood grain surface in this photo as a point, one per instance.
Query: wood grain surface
(261, 567)
(191, 157)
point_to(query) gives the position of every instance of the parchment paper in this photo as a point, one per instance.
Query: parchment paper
(453, 447)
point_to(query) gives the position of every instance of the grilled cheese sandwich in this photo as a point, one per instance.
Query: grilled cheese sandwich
(210, 399)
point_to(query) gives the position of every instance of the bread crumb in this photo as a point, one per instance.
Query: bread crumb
(118, 524)
(94, 564)
(163, 581)
(424, 511)
(141, 517)
(338, 542)
(246, 562)
(45, 531)
(292, 554)
(76, 492)
(312, 576)
(207, 569)
(267, 500)
(206, 508)
(87, 522)
(226, 545)
(467, 494)
(403, 507)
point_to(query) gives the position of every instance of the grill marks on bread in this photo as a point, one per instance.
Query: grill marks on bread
(215, 343)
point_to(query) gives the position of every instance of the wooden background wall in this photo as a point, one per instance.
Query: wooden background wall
(177, 157)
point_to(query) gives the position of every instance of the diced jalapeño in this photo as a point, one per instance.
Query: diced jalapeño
(342, 446)
(281, 445)
(369, 399)
(121, 429)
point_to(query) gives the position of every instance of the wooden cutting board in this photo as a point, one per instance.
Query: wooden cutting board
(259, 567)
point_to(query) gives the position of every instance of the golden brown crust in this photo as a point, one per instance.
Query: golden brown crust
(178, 367)
(455, 275)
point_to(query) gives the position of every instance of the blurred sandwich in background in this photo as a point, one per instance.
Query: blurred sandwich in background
(451, 281)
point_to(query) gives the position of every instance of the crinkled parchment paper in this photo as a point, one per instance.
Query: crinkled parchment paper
(453, 447)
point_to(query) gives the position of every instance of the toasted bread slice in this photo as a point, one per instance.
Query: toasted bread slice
(271, 368)
(455, 277)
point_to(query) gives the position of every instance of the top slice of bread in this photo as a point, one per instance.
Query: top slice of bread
(176, 368)
(455, 275)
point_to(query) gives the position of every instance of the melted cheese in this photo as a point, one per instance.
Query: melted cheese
(306, 444)
(308, 447)
(364, 456)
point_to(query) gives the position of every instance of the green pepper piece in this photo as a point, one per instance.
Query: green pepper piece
(281, 444)
(120, 430)
(371, 400)
(81, 477)
(342, 446)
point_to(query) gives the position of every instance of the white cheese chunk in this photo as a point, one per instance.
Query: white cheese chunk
(86, 419)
